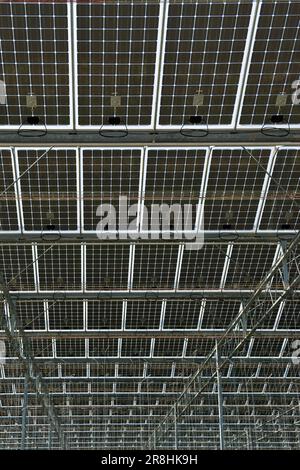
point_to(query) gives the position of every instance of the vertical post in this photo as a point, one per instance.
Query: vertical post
(285, 268)
(50, 436)
(220, 400)
(175, 428)
(24, 413)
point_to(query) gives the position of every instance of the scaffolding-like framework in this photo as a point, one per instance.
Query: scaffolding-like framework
(134, 340)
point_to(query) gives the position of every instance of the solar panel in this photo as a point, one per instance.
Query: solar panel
(34, 60)
(70, 347)
(65, 315)
(289, 317)
(273, 68)
(238, 175)
(173, 176)
(203, 268)
(281, 206)
(104, 315)
(143, 315)
(59, 267)
(107, 175)
(103, 267)
(249, 263)
(31, 315)
(19, 271)
(219, 313)
(203, 51)
(49, 190)
(155, 266)
(116, 55)
(165, 347)
(182, 315)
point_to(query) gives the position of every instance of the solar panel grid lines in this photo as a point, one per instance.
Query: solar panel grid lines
(10, 218)
(174, 176)
(32, 51)
(207, 43)
(151, 52)
(50, 181)
(128, 67)
(273, 64)
(274, 205)
(239, 177)
(118, 327)
(107, 175)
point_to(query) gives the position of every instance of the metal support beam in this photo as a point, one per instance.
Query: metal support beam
(232, 350)
(222, 237)
(148, 137)
(175, 429)
(181, 334)
(21, 348)
(191, 361)
(148, 294)
(24, 414)
(285, 267)
(50, 436)
(220, 400)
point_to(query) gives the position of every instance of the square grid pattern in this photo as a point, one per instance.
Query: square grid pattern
(109, 174)
(154, 56)
(34, 60)
(8, 198)
(274, 65)
(281, 207)
(234, 187)
(116, 55)
(203, 51)
(174, 177)
(113, 359)
(48, 189)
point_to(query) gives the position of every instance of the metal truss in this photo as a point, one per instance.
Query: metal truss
(21, 347)
(225, 347)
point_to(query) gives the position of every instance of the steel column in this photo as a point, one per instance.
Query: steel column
(220, 400)
(24, 414)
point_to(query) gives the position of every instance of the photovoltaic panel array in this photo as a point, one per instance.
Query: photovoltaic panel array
(117, 328)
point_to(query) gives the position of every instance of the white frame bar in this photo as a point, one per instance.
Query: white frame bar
(251, 36)
(160, 63)
(265, 188)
